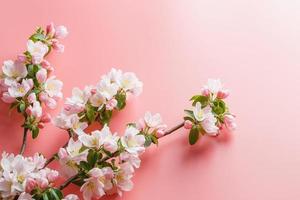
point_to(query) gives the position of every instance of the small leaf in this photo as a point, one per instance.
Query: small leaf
(154, 139)
(148, 140)
(54, 193)
(202, 99)
(194, 135)
(21, 107)
(35, 132)
(92, 157)
(90, 114)
(121, 98)
(45, 196)
(84, 165)
(219, 106)
(37, 37)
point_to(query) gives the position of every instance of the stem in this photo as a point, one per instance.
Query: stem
(53, 156)
(175, 128)
(70, 180)
(24, 141)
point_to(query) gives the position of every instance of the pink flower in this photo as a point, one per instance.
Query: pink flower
(20, 90)
(31, 98)
(61, 32)
(111, 104)
(188, 124)
(132, 141)
(41, 75)
(123, 178)
(14, 69)
(53, 87)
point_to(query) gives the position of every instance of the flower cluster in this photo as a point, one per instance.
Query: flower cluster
(26, 84)
(103, 162)
(96, 103)
(210, 113)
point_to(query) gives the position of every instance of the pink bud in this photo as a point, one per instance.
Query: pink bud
(229, 121)
(31, 98)
(21, 58)
(205, 92)
(188, 124)
(46, 118)
(41, 125)
(93, 91)
(160, 133)
(46, 65)
(30, 82)
(52, 175)
(37, 59)
(43, 97)
(111, 104)
(58, 47)
(50, 29)
(30, 185)
(61, 32)
(43, 183)
(222, 94)
(29, 111)
(41, 75)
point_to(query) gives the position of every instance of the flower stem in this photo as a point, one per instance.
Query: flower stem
(175, 128)
(24, 141)
(68, 182)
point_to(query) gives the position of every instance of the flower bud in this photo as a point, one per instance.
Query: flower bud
(222, 94)
(30, 185)
(160, 133)
(50, 30)
(205, 92)
(41, 75)
(229, 121)
(32, 97)
(46, 65)
(21, 58)
(46, 118)
(52, 175)
(188, 124)
(41, 125)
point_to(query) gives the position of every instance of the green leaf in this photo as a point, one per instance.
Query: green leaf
(21, 107)
(55, 193)
(45, 196)
(92, 157)
(35, 132)
(90, 114)
(121, 98)
(189, 118)
(202, 99)
(38, 37)
(148, 140)
(219, 107)
(154, 139)
(32, 70)
(105, 116)
(84, 165)
(194, 135)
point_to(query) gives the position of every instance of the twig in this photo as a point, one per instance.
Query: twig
(175, 128)
(24, 141)
(67, 182)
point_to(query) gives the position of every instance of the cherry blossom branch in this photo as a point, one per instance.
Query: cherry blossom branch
(24, 141)
(71, 179)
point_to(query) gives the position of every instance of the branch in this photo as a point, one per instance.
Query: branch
(67, 182)
(24, 141)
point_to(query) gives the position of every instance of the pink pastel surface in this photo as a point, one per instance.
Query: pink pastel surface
(174, 46)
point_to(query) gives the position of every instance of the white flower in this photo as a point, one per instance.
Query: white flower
(133, 142)
(96, 184)
(153, 121)
(9, 185)
(78, 100)
(70, 156)
(53, 87)
(123, 178)
(115, 75)
(62, 121)
(97, 100)
(76, 125)
(106, 88)
(129, 82)
(99, 138)
(207, 118)
(37, 50)
(14, 69)
(132, 159)
(198, 112)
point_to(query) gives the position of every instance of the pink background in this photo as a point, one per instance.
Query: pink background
(174, 46)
